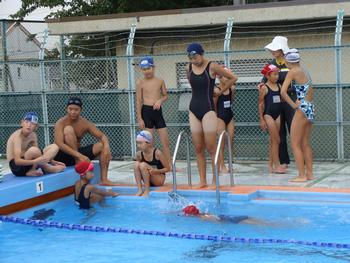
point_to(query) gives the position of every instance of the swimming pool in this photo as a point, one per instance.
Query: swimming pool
(283, 218)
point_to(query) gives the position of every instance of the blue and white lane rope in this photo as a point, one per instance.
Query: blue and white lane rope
(89, 228)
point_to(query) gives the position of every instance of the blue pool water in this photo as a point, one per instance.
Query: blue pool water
(280, 218)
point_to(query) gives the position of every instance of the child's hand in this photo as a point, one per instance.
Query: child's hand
(157, 105)
(217, 92)
(263, 125)
(42, 160)
(152, 171)
(141, 124)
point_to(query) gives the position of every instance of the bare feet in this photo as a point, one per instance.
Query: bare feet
(310, 177)
(38, 172)
(108, 183)
(271, 170)
(299, 179)
(280, 170)
(223, 170)
(212, 186)
(146, 193)
(200, 186)
(139, 192)
(53, 168)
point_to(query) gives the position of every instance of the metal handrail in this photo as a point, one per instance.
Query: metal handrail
(216, 169)
(188, 159)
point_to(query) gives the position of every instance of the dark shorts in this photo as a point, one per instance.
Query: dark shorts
(68, 160)
(19, 170)
(152, 118)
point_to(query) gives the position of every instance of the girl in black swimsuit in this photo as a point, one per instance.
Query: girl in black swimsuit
(151, 164)
(269, 114)
(225, 116)
(203, 121)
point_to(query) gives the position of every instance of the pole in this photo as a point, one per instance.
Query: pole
(228, 41)
(339, 88)
(131, 84)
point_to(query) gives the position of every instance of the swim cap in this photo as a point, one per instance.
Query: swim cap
(31, 116)
(146, 62)
(191, 210)
(194, 49)
(84, 167)
(292, 56)
(75, 101)
(268, 68)
(144, 136)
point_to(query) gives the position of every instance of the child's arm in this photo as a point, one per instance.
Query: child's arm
(139, 104)
(160, 156)
(96, 190)
(231, 78)
(286, 83)
(164, 97)
(261, 107)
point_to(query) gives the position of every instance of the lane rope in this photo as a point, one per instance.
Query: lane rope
(91, 228)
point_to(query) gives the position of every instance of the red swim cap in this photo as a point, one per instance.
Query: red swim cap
(191, 210)
(268, 68)
(83, 167)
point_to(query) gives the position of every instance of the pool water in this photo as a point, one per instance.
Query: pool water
(313, 221)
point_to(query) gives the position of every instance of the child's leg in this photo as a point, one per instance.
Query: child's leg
(157, 179)
(50, 152)
(221, 163)
(209, 123)
(145, 177)
(31, 154)
(138, 177)
(307, 150)
(198, 142)
(273, 127)
(96, 198)
(164, 139)
(298, 129)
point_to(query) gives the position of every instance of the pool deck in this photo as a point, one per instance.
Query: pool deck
(249, 177)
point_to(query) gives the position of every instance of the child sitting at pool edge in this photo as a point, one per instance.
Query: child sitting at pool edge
(84, 192)
(151, 164)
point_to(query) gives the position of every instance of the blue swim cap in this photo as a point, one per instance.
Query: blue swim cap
(31, 116)
(146, 62)
(194, 49)
(292, 56)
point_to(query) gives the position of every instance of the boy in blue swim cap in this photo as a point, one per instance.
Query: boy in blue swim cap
(24, 156)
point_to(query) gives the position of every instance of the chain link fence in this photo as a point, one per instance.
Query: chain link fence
(104, 84)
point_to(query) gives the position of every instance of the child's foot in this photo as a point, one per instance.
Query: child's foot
(310, 177)
(200, 186)
(223, 170)
(271, 170)
(108, 183)
(280, 170)
(299, 179)
(145, 193)
(139, 192)
(212, 186)
(37, 172)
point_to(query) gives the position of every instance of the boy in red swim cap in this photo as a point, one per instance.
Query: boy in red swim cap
(192, 210)
(84, 192)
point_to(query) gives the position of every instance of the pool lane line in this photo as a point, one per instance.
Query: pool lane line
(89, 228)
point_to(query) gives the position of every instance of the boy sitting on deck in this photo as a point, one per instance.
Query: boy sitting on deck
(84, 192)
(151, 164)
(24, 156)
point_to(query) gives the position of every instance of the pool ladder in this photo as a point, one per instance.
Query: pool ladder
(187, 157)
(216, 168)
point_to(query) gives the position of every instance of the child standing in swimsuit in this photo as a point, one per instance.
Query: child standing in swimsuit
(269, 115)
(24, 156)
(85, 193)
(225, 116)
(151, 164)
(304, 114)
(151, 93)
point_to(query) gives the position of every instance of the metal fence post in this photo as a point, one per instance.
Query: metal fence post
(4, 54)
(339, 88)
(228, 41)
(44, 88)
(63, 64)
(131, 84)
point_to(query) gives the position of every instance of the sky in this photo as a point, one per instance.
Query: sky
(9, 7)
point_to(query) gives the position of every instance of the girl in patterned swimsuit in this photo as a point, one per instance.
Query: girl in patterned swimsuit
(304, 115)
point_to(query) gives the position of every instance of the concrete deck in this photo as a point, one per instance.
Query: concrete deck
(328, 175)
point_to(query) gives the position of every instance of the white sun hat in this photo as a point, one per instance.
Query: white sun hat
(278, 43)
